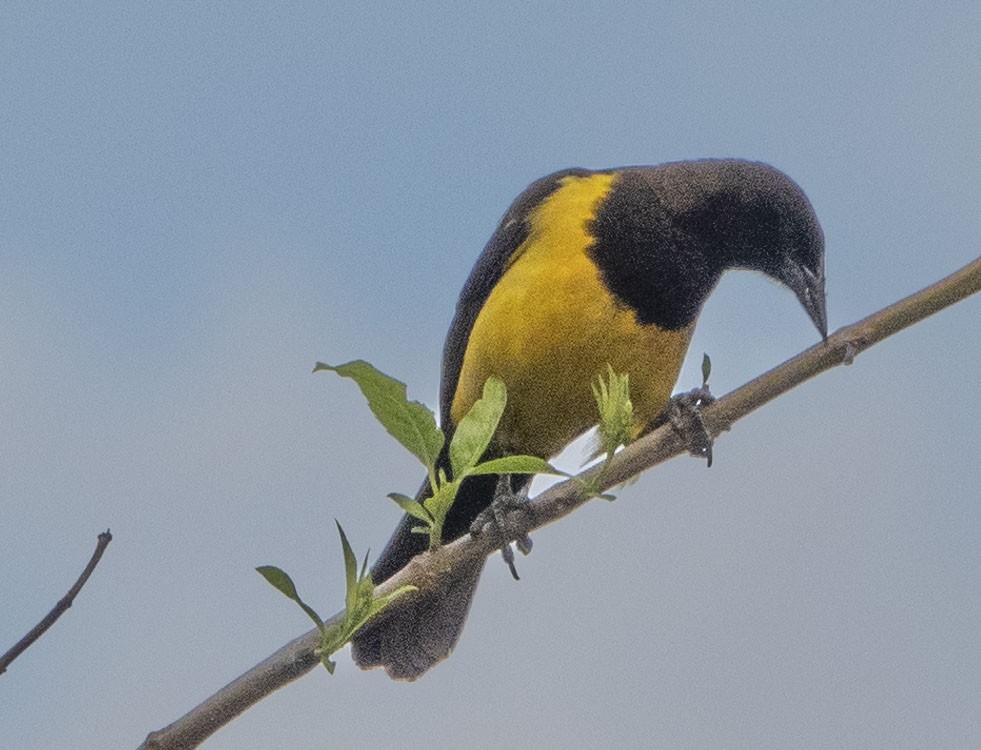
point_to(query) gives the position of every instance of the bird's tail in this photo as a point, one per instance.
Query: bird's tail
(414, 634)
(412, 637)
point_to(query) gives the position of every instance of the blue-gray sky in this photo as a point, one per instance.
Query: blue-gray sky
(198, 201)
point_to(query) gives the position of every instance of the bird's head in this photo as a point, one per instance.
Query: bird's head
(754, 216)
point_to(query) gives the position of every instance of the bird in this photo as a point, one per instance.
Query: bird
(588, 270)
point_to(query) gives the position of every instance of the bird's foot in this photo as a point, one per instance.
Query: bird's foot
(684, 413)
(499, 517)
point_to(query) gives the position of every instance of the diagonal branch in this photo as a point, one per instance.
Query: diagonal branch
(297, 657)
(59, 609)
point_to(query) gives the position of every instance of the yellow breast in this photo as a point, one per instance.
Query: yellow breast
(550, 327)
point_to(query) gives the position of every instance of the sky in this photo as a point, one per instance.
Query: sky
(198, 201)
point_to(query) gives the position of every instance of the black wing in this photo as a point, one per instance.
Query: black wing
(490, 266)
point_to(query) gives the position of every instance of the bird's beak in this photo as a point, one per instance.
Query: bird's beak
(809, 288)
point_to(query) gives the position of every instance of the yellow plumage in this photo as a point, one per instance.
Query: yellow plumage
(588, 270)
(550, 327)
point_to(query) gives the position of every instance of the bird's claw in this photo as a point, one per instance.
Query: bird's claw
(684, 413)
(497, 517)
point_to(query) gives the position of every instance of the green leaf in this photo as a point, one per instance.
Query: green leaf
(706, 369)
(360, 602)
(616, 410)
(363, 595)
(438, 505)
(515, 465)
(281, 581)
(350, 569)
(364, 566)
(357, 620)
(331, 640)
(411, 506)
(409, 422)
(474, 432)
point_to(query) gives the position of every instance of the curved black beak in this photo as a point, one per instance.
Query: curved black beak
(808, 285)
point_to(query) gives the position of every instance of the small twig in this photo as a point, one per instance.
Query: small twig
(297, 657)
(64, 603)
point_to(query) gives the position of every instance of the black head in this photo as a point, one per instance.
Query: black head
(666, 234)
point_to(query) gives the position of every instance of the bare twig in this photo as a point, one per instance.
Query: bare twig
(297, 658)
(64, 603)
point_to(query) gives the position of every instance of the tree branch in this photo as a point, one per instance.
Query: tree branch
(297, 658)
(63, 604)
